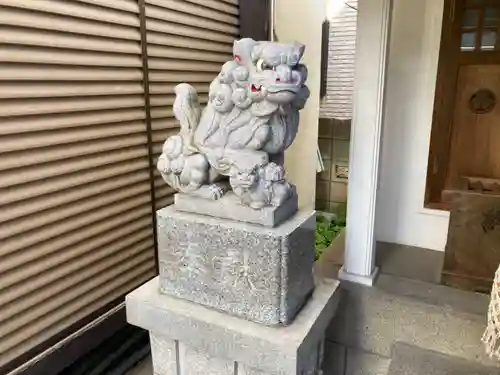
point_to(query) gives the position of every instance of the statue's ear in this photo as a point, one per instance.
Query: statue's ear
(235, 47)
(243, 49)
(303, 71)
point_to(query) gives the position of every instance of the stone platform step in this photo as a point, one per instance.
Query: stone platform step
(425, 315)
(411, 360)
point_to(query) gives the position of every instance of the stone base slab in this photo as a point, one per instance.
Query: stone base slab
(230, 207)
(171, 357)
(190, 339)
(256, 273)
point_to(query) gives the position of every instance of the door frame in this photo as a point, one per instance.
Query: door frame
(444, 102)
(450, 60)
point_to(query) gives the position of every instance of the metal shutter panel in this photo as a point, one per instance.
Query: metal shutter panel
(337, 103)
(187, 41)
(76, 214)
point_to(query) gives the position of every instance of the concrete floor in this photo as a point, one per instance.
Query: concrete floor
(410, 262)
(393, 259)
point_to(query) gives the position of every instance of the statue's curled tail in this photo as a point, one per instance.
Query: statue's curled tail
(180, 165)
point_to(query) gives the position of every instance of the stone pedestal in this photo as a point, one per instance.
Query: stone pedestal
(257, 273)
(230, 207)
(234, 298)
(236, 266)
(190, 339)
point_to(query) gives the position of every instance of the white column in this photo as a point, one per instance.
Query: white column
(366, 129)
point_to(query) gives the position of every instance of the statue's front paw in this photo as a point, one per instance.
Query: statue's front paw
(163, 164)
(216, 192)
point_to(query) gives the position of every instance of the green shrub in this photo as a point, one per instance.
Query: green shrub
(326, 231)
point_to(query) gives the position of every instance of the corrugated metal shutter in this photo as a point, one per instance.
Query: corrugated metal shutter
(76, 216)
(188, 41)
(76, 223)
(337, 103)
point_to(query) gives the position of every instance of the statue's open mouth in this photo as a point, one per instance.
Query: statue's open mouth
(283, 87)
(292, 91)
(256, 88)
(276, 89)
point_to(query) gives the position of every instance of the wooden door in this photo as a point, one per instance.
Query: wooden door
(475, 135)
(475, 146)
(468, 60)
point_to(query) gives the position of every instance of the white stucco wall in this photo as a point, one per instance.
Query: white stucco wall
(411, 78)
(297, 22)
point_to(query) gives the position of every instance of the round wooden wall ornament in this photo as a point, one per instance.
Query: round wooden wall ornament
(482, 101)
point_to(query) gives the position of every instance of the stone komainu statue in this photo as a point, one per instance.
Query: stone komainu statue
(239, 138)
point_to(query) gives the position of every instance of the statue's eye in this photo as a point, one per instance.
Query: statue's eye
(262, 65)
